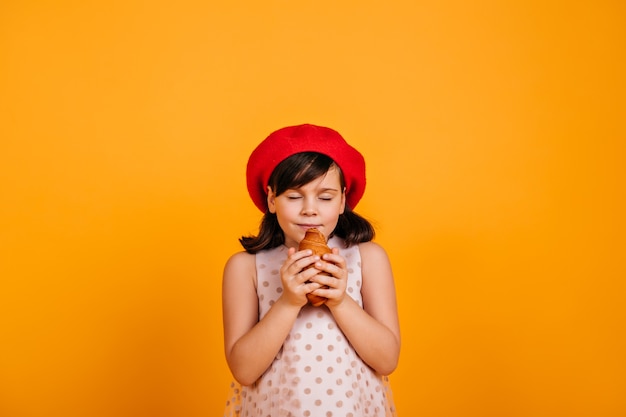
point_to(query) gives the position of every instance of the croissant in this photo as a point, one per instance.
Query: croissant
(315, 240)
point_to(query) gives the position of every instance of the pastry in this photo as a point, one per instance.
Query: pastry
(315, 240)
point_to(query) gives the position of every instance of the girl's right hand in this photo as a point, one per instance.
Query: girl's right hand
(294, 277)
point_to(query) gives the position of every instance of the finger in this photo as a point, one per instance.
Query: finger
(336, 270)
(306, 275)
(325, 280)
(295, 255)
(334, 258)
(294, 263)
(325, 291)
(312, 286)
(304, 262)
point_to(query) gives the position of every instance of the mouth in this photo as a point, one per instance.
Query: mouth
(310, 226)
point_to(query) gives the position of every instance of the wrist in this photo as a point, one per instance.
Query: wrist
(288, 305)
(335, 305)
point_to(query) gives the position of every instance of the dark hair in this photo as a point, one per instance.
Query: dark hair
(296, 171)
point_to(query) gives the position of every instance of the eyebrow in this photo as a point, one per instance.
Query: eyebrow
(323, 190)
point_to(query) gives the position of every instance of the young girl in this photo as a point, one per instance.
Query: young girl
(288, 357)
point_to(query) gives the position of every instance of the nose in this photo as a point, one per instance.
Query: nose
(309, 207)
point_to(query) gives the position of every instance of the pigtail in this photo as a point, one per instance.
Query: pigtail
(354, 228)
(270, 235)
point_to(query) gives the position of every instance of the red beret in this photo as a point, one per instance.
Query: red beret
(290, 140)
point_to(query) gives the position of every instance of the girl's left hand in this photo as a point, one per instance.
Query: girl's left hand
(335, 265)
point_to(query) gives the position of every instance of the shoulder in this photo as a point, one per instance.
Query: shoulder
(240, 258)
(372, 250)
(375, 264)
(240, 264)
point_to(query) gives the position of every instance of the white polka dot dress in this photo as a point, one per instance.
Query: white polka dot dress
(317, 373)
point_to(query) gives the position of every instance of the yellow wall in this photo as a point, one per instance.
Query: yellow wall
(495, 139)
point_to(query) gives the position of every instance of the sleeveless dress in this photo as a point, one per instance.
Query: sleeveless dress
(317, 373)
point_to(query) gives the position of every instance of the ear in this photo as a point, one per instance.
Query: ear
(343, 201)
(271, 200)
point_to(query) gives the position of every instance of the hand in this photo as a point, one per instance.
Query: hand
(295, 279)
(337, 280)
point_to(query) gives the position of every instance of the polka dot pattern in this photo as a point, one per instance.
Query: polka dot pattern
(317, 372)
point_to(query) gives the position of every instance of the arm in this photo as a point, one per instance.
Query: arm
(251, 345)
(374, 331)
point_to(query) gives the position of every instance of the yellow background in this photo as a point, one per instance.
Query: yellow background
(494, 134)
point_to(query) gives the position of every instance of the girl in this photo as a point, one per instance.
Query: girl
(289, 358)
